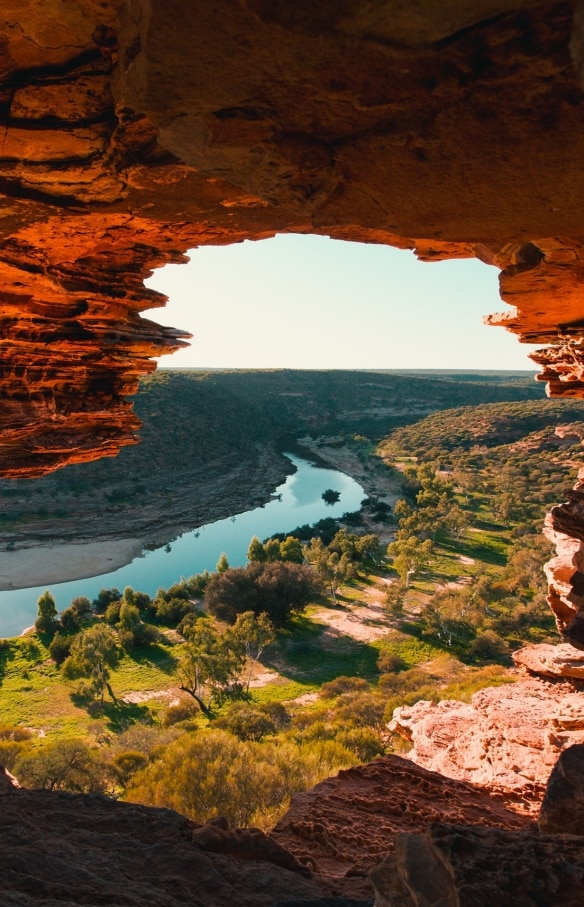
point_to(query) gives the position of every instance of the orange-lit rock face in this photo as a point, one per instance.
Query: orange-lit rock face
(127, 140)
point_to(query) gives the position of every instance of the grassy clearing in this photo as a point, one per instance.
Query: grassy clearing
(412, 650)
(314, 654)
(33, 692)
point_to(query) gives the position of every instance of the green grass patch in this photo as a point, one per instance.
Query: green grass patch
(465, 688)
(282, 691)
(410, 648)
(488, 548)
(145, 668)
(310, 652)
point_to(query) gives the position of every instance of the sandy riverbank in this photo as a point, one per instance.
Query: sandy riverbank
(61, 563)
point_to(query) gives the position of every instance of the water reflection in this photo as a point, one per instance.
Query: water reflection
(296, 502)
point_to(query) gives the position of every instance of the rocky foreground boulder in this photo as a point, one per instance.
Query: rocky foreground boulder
(456, 866)
(65, 850)
(347, 825)
(388, 834)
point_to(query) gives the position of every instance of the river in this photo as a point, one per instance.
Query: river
(296, 502)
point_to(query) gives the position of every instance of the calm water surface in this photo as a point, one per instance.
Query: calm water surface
(300, 501)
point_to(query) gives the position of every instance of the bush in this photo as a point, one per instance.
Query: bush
(61, 765)
(46, 621)
(105, 598)
(126, 765)
(112, 612)
(15, 732)
(278, 589)
(404, 682)
(489, 646)
(10, 751)
(13, 741)
(173, 610)
(361, 710)
(390, 663)
(365, 743)
(212, 773)
(184, 710)
(60, 648)
(341, 685)
(69, 620)
(81, 606)
(247, 722)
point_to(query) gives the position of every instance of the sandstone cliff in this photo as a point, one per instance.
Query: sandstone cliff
(127, 141)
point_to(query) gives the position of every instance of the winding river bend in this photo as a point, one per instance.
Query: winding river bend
(296, 502)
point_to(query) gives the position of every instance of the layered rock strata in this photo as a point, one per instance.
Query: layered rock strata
(564, 526)
(127, 141)
(551, 661)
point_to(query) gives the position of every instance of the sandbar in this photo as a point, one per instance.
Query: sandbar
(54, 563)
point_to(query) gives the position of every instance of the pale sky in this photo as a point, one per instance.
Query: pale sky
(312, 302)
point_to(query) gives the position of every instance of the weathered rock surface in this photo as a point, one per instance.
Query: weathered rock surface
(68, 850)
(551, 661)
(454, 866)
(127, 140)
(507, 737)
(562, 809)
(72, 850)
(564, 526)
(346, 825)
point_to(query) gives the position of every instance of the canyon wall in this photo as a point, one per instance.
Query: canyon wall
(128, 140)
(134, 131)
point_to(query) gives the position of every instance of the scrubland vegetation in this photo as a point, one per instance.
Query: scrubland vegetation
(197, 426)
(230, 691)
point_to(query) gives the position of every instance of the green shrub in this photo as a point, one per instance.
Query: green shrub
(61, 765)
(60, 648)
(390, 663)
(340, 685)
(247, 722)
(105, 598)
(126, 765)
(184, 710)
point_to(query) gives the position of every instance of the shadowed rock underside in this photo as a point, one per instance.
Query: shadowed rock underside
(127, 141)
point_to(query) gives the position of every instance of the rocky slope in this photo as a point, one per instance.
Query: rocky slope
(455, 866)
(330, 850)
(127, 141)
(68, 850)
(346, 825)
(507, 737)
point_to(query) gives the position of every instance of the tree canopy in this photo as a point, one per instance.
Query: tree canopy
(277, 589)
(93, 653)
